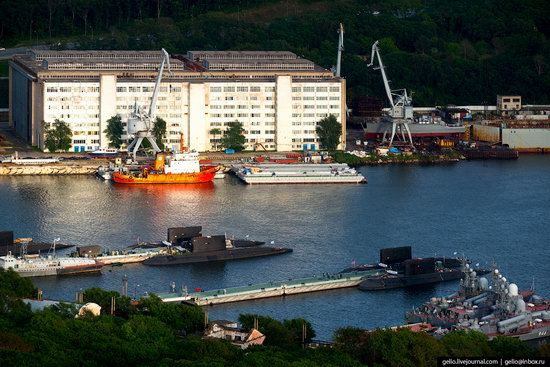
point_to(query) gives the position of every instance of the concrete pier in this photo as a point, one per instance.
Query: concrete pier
(271, 289)
(18, 170)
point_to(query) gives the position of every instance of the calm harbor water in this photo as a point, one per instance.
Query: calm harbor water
(492, 211)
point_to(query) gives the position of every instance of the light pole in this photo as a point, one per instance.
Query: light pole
(135, 291)
(55, 240)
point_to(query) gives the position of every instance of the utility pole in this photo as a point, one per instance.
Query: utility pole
(304, 331)
(125, 285)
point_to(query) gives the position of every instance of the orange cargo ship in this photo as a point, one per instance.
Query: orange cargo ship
(178, 168)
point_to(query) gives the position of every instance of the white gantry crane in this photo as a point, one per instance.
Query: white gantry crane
(401, 103)
(140, 124)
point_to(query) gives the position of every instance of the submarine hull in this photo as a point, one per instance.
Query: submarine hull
(219, 255)
(391, 281)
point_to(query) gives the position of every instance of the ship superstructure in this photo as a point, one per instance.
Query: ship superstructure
(497, 310)
(35, 265)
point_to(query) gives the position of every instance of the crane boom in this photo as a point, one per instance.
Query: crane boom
(153, 106)
(340, 49)
(376, 50)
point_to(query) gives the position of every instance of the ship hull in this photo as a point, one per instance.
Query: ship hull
(222, 255)
(375, 130)
(69, 270)
(84, 269)
(168, 178)
(389, 281)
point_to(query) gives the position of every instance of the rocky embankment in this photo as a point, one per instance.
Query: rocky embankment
(18, 170)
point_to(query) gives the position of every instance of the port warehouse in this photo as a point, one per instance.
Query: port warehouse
(278, 96)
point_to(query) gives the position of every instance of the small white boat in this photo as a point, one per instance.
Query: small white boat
(104, 152)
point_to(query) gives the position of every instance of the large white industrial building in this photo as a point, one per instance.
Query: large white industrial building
(278, 96)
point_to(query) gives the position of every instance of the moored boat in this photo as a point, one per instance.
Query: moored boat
(35, 266)
(180, 168)
(104, 153)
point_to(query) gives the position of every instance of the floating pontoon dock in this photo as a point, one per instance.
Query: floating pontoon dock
(271, 289)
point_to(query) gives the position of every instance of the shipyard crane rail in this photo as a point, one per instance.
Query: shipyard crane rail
(141, 123)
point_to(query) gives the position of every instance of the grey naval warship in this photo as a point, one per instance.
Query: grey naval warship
(497, 310)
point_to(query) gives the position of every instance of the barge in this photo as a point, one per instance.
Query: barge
(250, 292)
(119, 257)
(298, 174)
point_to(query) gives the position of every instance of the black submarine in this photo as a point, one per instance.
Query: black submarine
(402, 270)
(187, 245)
(22, 246)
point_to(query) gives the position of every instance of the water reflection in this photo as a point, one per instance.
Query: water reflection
(435, 209)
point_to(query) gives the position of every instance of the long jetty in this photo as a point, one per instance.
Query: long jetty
(272, 289)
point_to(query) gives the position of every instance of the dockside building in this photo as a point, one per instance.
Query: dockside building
(278, 96)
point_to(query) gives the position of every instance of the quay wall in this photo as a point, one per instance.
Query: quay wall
(19, 170)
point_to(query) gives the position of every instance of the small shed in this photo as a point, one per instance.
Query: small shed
(229, 330)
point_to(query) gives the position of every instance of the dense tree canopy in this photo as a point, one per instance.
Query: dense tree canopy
(329, 131)
(58, 137)
(154, 333)
(445, 51)
(114, 131)
(233, 137)
(159, 131)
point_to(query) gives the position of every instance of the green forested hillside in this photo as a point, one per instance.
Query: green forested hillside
(445, 51)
